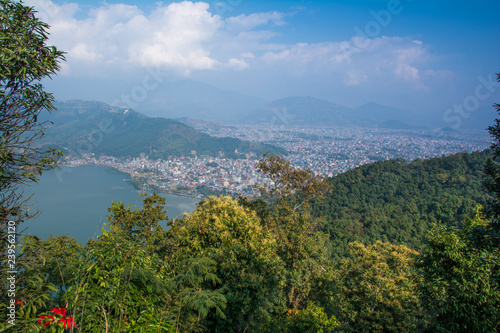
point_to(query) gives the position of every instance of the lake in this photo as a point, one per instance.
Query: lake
(75, 201)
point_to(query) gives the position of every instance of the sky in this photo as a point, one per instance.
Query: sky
(426, 56)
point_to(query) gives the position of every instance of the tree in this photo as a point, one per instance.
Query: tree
(377, 289)
(25, 59)
(247, 265)
(311, 319)
(119, 287)
(287, 180)
(492, 184)
(46, 270)
(184, 302)
(461, 267)
(141, 226)
(459, 289)
(301, 247)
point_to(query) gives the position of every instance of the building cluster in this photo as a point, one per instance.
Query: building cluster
(188, 175)
(326, 151)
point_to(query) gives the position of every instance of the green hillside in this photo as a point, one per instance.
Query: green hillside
(93, 127)
(396, 201)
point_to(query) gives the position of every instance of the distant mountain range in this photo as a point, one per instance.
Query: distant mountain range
(201, 101)
(309, 111)
(197, 100)
(82, 127)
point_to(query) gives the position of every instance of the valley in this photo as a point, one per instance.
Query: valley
(326, 151)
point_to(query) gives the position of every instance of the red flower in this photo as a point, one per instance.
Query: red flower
(19, 302)
(67, 321)
(47, 320)
(59, 311)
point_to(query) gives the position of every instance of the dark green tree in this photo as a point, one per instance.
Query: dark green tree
(25, 59)
(300, 245)
(141, 226)
(491, 237)
(459, 289)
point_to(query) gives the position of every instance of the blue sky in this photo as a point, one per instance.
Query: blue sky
(425, 56)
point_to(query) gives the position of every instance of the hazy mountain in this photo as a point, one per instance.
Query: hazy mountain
(302, 110)
(396, 124)
(92, 127)
(201, 125)
(373, 113)
(197, 100)
(309, 111)
(201, 101)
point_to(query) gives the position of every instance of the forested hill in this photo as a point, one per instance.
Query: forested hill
(397, 201)
(83, 127)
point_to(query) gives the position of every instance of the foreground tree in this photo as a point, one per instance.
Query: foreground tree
(377, 289)
(487, 236)
(249, 270)
(25, 59)
(492, 170)
(300, 245)
(460, 289)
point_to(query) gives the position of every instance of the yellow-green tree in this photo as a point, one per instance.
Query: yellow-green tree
(246, 261)
(377, 289)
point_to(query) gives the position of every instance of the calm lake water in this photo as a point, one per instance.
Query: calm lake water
(75, 201)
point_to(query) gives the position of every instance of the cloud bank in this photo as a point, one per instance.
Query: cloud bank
(187, 37)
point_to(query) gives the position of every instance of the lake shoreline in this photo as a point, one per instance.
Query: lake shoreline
(74, 200)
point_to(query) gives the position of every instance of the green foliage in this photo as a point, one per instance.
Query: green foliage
(33, 296)
(56, 260)
(489, 238)
(195, 299)
(92, 127)
(377, 289)
(299, 244)
(311, 319)
(141, 226)
(119, 280)
(459, 290)
(245, 253)
(25, 59)
(118, 283)
(395, 201)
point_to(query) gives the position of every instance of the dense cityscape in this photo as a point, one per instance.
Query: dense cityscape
(324, 150)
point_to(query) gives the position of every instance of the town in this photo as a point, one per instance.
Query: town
(326, 151)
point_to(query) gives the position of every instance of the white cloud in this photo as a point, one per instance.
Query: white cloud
(185, 37)
(354, 78)
(178, 33)
(356, 61)
(81, 52)
(248, 55)
(238, 64)
(247, 22)
(171, 36)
